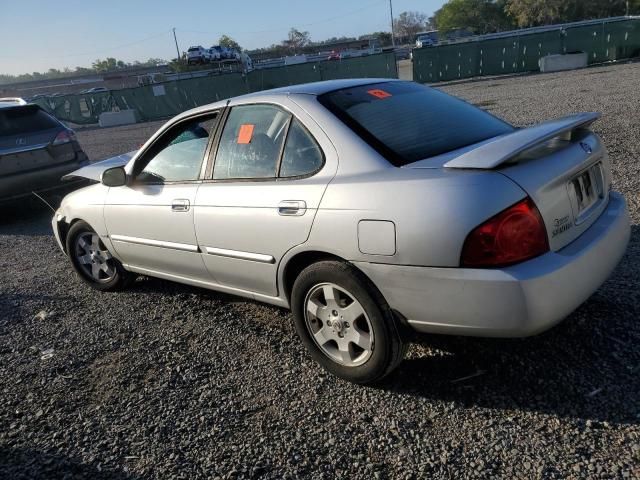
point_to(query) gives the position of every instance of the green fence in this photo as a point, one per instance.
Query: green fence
(170, 98)
(602, 41)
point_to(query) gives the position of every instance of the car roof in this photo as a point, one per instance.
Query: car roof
(325, 86)
(313, 88)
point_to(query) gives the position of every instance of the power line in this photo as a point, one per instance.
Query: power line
(94, 52)
(156, 35)
(325, 20)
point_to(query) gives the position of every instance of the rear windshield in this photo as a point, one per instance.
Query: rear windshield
(21, 120)
(407, 122)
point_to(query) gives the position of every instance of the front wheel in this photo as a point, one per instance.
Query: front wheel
(345, 323)
(91, 260)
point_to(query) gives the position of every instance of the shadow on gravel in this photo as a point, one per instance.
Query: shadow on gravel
(522, 375)
(29, 217)
(586, 368)
(15, 308)
(18, 464)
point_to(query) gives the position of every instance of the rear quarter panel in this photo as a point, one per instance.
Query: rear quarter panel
(433, 211)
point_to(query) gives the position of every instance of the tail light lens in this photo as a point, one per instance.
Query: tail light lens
(514, 235)
(63, 137)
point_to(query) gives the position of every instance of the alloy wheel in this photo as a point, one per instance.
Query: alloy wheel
(339, 324)
(93, 258)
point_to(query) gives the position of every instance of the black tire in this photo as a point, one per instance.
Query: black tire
(388, 348)
(118, 280)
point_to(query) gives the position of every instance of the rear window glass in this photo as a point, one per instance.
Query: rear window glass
(21, 120)
(407, 122)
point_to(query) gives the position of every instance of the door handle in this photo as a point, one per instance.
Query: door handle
(292, 207)
(180, 205)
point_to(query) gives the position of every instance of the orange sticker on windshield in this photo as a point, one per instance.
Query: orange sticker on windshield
(245, 133)
(376, 92)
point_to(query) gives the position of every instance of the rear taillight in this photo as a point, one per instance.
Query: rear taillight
(514, 235)
(65, 136)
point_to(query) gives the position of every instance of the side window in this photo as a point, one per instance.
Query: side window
(302, 155)
(251, 142)
(178, 155)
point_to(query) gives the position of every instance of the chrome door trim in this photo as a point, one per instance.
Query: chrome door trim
(254, 257)
(155, 243)
(279, 301)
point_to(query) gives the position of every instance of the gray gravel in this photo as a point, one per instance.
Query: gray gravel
(169, 381)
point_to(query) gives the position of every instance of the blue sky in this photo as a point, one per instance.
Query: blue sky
(38, 35)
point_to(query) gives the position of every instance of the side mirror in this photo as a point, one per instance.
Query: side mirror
(114, 177)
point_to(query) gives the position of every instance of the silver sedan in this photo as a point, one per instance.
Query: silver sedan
(370, 208)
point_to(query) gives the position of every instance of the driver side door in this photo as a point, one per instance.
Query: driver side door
(150, 220)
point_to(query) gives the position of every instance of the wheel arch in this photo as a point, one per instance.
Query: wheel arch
(63, 227)
(298, 262)
(294, 265)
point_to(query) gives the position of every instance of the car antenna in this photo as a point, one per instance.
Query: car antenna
(45, 202)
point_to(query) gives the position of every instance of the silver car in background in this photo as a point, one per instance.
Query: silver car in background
(371, 208)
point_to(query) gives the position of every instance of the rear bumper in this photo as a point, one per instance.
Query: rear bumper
(517, 301)
(14, 187)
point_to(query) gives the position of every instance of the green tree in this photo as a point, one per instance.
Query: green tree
(53, 73)
(154, 62)
(226, 41)
(179, 64)
(408, 24)
(106, 65)
(384, 38)
(478, 16)
(296, 41)
(529, 13)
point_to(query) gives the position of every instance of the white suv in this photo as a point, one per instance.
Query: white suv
(216, 53)
(425, 41)
(198, 55)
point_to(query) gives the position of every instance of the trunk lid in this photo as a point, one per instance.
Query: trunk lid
(560, 164)
(27, 141)
(570, 187)
(32, 151)
(26, 133)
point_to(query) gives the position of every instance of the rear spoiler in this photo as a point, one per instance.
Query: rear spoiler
(505, 147)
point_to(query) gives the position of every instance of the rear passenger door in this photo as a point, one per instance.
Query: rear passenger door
(268, 176)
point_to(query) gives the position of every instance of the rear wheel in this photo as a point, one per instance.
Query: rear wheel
(93, 262)
(345, 323)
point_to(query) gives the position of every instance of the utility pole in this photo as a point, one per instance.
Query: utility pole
(393, 36)
(176, 40)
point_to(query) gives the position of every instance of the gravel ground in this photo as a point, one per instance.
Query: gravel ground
(169, 381)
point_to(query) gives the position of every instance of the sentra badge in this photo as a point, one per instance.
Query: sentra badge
(561, 225)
